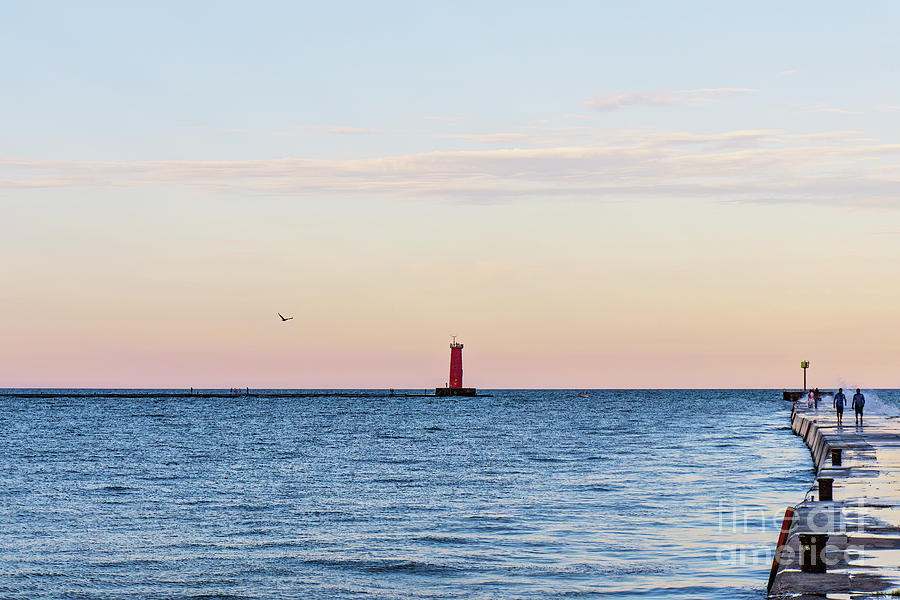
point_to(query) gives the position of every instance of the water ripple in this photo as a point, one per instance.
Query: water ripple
(529, 494)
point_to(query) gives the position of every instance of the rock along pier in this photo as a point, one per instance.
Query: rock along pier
(843, 540)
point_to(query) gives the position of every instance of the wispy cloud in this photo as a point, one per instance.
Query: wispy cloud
(729, 139)
(754, 165)
(293, 131)
(836, 111)
(540, 134)
(622, 100)
(490, 138)
(789, 72)
(351, 131)
(823, 135)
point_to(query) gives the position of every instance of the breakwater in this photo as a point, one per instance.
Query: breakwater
(844, 537)
(236, 393)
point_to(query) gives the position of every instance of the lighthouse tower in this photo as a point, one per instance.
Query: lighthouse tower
(455, 385)
(455, 364)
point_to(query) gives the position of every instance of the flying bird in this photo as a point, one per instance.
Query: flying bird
(283, 318)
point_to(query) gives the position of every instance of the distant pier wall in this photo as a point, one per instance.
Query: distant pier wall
(238, 393)
(799, 395)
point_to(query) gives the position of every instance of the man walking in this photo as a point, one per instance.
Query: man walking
(838, 404)
(858, 402)
(816, 398)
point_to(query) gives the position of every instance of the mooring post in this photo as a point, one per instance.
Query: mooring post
(825, 494)
(812, 552)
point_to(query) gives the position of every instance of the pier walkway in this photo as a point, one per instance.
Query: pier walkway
(862, 520)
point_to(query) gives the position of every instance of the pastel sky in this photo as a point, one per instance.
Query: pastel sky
(589, 194)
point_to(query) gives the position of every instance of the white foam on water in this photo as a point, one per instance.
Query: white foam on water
(874, 405)
(877, 406)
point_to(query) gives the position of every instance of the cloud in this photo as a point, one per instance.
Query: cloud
(823, 135)
(739, 138)
(39, 183)
(747, 165)
(536, 135)
(837, 111)
(490, 138)
(294, 131)
(789, 72)
(622, 100)
(350, 131)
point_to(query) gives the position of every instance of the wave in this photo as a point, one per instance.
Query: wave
(385, 565)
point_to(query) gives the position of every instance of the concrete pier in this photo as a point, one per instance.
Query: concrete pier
(461, 391)
(855, 502)
(85, 393)
(800, 395)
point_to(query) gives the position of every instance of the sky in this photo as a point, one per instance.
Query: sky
(589, 194)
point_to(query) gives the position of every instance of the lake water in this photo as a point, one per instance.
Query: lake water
(526, 494)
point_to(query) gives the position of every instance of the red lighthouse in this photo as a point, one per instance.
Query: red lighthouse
(455, 387)
(455, 364)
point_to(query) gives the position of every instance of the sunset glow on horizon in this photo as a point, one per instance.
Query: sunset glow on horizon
(608, 208)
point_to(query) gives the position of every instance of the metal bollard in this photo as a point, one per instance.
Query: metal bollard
(835, 457)
(812, 552)
(825, 489)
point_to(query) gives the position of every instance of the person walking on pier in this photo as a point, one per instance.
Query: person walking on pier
(858, 402)
(838, 404)
(816, 398)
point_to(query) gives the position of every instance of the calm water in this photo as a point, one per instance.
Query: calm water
(528, 494)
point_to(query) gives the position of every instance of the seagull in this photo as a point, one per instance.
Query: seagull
(283, 318)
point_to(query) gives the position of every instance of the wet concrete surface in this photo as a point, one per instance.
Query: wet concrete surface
(862, 521)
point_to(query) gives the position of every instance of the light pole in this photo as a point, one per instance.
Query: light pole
(804, 364)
